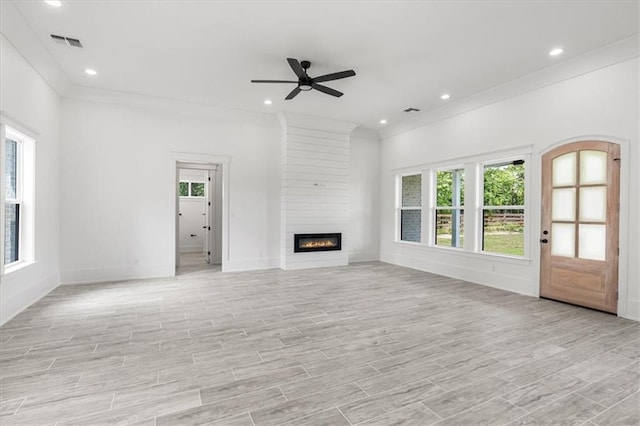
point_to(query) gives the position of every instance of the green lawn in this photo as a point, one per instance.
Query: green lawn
(504, 243)
(445, 240)
(510, 243)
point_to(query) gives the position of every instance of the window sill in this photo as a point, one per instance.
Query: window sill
(494, 257)
(410, 243)
(16, 266)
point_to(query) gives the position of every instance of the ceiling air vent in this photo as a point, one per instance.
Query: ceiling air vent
(411, 109)
(67, 41)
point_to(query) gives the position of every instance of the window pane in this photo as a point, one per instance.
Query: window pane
(563, 239)
(593, 167)
(11, 230)
(592, 242)
(563, 204)
(503, 231)
(412, 191)
(11, 169)
(410, 225)
(564, 170)
(197, 189)
(450, 228)
(593, 204)
(450, 188)
(184, 189)
(504, 185)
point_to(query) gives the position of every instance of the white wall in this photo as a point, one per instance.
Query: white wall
(110, 151)
(602, 102)
(364, 197)
(31, 105)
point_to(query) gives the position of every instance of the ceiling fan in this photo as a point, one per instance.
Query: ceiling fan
(306, 83)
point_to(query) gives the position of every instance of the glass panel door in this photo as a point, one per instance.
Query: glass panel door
(580, 224)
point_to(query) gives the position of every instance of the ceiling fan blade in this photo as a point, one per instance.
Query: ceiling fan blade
(293, 94)
(335, 76)
(327, 90)
(296, 67)
(273, 81)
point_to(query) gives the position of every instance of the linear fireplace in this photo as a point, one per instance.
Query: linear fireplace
(316, 242)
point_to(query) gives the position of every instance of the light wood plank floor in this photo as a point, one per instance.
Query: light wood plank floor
(370, 343)
(195, 262)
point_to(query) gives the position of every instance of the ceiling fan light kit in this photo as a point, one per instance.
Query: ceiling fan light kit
(306, 83)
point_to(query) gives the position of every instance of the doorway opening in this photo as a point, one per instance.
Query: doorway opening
(198, 217)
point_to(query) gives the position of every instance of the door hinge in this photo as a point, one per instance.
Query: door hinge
(616, 295)
(209, 178)
(209, 228)
(208, 253)
(209, 202)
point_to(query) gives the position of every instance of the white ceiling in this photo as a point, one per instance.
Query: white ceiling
(405, 54)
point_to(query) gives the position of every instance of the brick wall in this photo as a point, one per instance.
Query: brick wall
(410, 225)
(410, 220)
(412, 191)
(10, 223)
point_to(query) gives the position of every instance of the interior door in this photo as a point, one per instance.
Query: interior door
(208, 246)
(580, 215)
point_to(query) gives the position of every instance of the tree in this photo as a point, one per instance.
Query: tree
(444, 188)
(504, 185)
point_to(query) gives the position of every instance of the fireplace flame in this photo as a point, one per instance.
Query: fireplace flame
(318, 244)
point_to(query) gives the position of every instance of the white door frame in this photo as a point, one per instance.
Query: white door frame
(204, 160)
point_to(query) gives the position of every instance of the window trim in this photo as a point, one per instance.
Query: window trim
(25, 194)
(473, 169)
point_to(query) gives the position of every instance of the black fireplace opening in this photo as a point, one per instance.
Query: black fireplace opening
(316, 242)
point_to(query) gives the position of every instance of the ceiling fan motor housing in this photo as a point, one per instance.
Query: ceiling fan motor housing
(305, 83)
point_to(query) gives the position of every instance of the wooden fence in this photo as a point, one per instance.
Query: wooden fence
(494, 221)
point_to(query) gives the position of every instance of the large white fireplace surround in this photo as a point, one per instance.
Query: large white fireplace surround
(314, 187)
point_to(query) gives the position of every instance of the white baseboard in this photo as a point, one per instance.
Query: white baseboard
(18, 294)
(516, 284)
(241, 265)
(84, 276)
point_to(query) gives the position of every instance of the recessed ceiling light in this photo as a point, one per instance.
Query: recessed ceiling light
(556, 51)
(90, 71)
(54, 3)
(267, 102)
(445, 96)
(383, 121)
